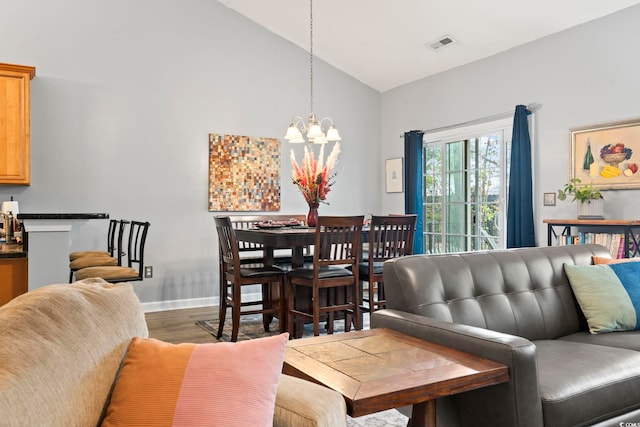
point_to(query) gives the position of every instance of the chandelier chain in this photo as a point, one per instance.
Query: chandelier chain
(318, 131)
(311, 55)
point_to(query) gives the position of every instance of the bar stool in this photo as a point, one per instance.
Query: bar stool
(83, 259)
(135, 256)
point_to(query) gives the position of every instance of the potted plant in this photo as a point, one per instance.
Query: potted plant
(590, 199)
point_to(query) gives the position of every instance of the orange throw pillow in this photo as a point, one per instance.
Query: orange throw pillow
(605, 260)
(216, 384)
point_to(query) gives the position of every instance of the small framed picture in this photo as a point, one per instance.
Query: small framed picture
(549, 199)
(393, 172)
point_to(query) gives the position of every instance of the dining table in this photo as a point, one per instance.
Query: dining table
(296, 238)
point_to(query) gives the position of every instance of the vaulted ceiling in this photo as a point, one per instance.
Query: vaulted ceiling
(387, 43)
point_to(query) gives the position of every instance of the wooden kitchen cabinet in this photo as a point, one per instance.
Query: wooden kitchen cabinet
(13, 278)
(15, 125)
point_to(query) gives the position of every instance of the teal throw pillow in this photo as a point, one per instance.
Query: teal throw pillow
(629, 275)
(608, 294)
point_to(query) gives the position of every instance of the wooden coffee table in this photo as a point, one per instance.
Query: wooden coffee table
(380, 369)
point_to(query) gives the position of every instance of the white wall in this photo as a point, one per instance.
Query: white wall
(125, 95)
(582, 76)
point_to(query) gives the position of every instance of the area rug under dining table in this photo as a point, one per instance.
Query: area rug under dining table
(251, 327)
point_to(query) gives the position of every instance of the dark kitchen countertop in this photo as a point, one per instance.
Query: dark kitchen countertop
(24, 216)
(11, 251)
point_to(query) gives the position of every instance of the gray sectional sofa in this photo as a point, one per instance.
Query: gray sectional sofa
(517, 307)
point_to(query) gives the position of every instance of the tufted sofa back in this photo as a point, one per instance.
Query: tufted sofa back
(522, 292)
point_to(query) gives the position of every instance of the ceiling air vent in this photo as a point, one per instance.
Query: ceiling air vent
(442, 42)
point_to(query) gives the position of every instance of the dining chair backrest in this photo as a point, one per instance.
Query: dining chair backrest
(117, 250)
(227, 241)
(111, 236)
(391, 237)
(114, 242)
(337, 241)
(136, 244)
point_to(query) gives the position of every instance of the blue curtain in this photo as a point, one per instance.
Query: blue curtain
(413, 183)
(520, 226)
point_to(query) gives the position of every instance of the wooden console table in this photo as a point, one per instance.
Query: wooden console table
(611, 226)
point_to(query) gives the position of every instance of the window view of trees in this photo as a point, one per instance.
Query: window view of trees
(464, 190)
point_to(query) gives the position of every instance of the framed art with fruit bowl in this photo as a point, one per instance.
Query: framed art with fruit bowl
(607, 155)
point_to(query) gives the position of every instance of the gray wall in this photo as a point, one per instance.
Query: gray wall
(125, 95)
(583, 76)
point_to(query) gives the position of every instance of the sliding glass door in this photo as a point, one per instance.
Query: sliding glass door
(464, 190)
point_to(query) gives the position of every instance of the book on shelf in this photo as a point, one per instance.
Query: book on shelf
(615, 242)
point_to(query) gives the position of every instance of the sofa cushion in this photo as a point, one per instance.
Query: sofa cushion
(293, 406)
(581, 384)
(621, 339)
(60, 349)
(609, 295)
(198, 384)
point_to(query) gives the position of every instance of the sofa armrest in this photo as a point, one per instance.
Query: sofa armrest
(514, 403)
(300, 403)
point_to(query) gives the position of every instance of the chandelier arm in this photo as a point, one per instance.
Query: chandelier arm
(299, 122)
(329, 119)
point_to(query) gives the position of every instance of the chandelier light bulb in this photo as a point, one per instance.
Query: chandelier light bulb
(293, 134)
(333, 135)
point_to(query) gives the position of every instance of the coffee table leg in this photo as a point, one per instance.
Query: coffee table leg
(423, 414)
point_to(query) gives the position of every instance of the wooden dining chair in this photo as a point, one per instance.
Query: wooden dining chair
(237, 275)
(389, 237)
(134, 269)
(83, 259)
(335, 259)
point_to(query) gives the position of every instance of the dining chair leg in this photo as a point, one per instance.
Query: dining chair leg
(222, 307)
(356, 308)
(235, 311)
(348, 314)
(282, 305)
(316, 311)
(266, 303)
(381, 296)
(372, 297)
(331, 300)
(290, 316)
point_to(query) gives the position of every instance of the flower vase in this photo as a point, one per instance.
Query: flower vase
(312, 216)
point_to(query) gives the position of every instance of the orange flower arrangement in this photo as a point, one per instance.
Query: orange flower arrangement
(315, 177)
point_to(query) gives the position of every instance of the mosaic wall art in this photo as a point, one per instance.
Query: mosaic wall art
(244, 173)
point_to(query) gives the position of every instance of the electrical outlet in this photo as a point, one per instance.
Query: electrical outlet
(148, 272)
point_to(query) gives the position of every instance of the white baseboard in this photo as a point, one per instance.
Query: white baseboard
(150, 307)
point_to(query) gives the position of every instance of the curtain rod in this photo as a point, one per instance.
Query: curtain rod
(533, 107)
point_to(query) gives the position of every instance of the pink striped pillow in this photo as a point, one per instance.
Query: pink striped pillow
(216, 384)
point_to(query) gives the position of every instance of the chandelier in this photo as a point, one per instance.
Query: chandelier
(314, 128)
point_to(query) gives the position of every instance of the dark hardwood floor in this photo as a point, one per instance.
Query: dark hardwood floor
(176, 326)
